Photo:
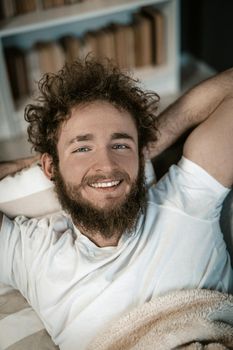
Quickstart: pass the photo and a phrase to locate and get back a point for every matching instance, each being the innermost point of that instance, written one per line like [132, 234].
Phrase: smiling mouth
[106, 184]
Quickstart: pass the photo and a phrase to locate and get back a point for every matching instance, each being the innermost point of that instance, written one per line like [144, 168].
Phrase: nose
[104, 160]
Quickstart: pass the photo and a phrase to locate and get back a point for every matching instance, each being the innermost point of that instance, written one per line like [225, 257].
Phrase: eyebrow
[84, 137]
[121, 135]
[90, 137]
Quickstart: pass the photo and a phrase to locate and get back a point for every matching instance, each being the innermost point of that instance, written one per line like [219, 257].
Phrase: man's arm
[208, 108]
[12, 167]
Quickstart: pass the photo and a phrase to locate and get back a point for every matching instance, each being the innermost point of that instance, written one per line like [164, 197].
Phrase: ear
[47, 165]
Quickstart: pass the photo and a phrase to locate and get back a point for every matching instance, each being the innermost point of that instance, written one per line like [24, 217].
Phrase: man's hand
[11, 167]
[208, 109]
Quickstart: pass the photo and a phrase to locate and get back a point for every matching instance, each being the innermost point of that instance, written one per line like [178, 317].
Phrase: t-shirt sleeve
[189, 188]
[23, 243]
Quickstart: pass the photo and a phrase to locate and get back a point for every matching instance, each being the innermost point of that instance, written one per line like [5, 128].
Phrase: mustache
[115, 175]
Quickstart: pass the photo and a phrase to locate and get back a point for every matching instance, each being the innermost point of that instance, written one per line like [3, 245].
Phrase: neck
[99, 239]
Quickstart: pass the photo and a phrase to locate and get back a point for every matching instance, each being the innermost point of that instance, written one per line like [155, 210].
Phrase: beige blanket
[194, 319]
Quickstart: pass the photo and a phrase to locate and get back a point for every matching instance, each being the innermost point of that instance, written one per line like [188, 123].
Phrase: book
[158, 33]
[90, 45]
[105, 43]
[70, 2]
[143, 40]
[25, 6]
[124, 45]
[72, 47]
[129, 46]
[47, 4]
[51, 56]
[7, 9]
[17, 72]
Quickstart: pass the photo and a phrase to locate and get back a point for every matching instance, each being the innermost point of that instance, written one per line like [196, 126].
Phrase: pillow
[20, 327]
[28, 193]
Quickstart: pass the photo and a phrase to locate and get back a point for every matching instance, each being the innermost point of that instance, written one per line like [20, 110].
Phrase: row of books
[12, 8]
[139, 44]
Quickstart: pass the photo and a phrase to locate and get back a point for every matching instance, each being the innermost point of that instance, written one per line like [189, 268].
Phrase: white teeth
[105, 184]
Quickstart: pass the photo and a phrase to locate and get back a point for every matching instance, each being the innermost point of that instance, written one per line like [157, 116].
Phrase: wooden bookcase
[51, 24]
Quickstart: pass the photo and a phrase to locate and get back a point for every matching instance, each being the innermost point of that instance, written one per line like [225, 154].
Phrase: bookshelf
[51, 24]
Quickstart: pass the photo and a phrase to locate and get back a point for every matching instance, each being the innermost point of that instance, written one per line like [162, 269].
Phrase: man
[119, 245]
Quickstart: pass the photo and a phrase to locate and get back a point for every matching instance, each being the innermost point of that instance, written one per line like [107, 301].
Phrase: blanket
[188, 319]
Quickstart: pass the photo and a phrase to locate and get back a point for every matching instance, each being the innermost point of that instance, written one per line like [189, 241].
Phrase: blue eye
[81, 150]
[120, 146]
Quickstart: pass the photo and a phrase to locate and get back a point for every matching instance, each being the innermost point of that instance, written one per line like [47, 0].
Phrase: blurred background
[170, 45]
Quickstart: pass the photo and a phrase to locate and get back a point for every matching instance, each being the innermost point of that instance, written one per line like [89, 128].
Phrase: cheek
[134, 166]
[131, 166]
[72, 171]
[132, 163]
[128, 163]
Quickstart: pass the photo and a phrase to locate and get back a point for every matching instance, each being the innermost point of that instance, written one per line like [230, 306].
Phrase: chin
[106, 205]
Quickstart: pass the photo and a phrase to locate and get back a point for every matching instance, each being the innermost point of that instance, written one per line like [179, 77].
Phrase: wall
[207, 31]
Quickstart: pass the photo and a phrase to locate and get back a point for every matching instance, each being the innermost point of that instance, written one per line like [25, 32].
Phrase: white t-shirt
[77, 288]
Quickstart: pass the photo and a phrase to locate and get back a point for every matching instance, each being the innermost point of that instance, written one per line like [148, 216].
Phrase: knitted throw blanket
[188, 319]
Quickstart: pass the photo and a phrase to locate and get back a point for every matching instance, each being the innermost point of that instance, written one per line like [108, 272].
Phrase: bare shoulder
[210, 144]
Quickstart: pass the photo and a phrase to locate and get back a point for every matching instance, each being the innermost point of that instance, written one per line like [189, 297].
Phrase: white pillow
[28, 193]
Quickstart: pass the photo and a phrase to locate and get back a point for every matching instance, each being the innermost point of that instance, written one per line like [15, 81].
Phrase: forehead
[98, 117]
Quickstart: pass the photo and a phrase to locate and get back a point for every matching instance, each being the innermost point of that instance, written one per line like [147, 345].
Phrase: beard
[108, 222]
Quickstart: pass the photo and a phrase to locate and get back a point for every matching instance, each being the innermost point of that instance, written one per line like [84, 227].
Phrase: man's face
[98, 152]
[100, 177]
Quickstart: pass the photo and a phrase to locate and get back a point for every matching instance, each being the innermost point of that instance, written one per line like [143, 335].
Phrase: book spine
[139, 44]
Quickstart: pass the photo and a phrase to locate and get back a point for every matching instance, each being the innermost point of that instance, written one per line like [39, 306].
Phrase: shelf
[43, 19]
[51, 24]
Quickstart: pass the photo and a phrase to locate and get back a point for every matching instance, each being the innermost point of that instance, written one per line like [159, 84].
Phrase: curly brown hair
[82, 82]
